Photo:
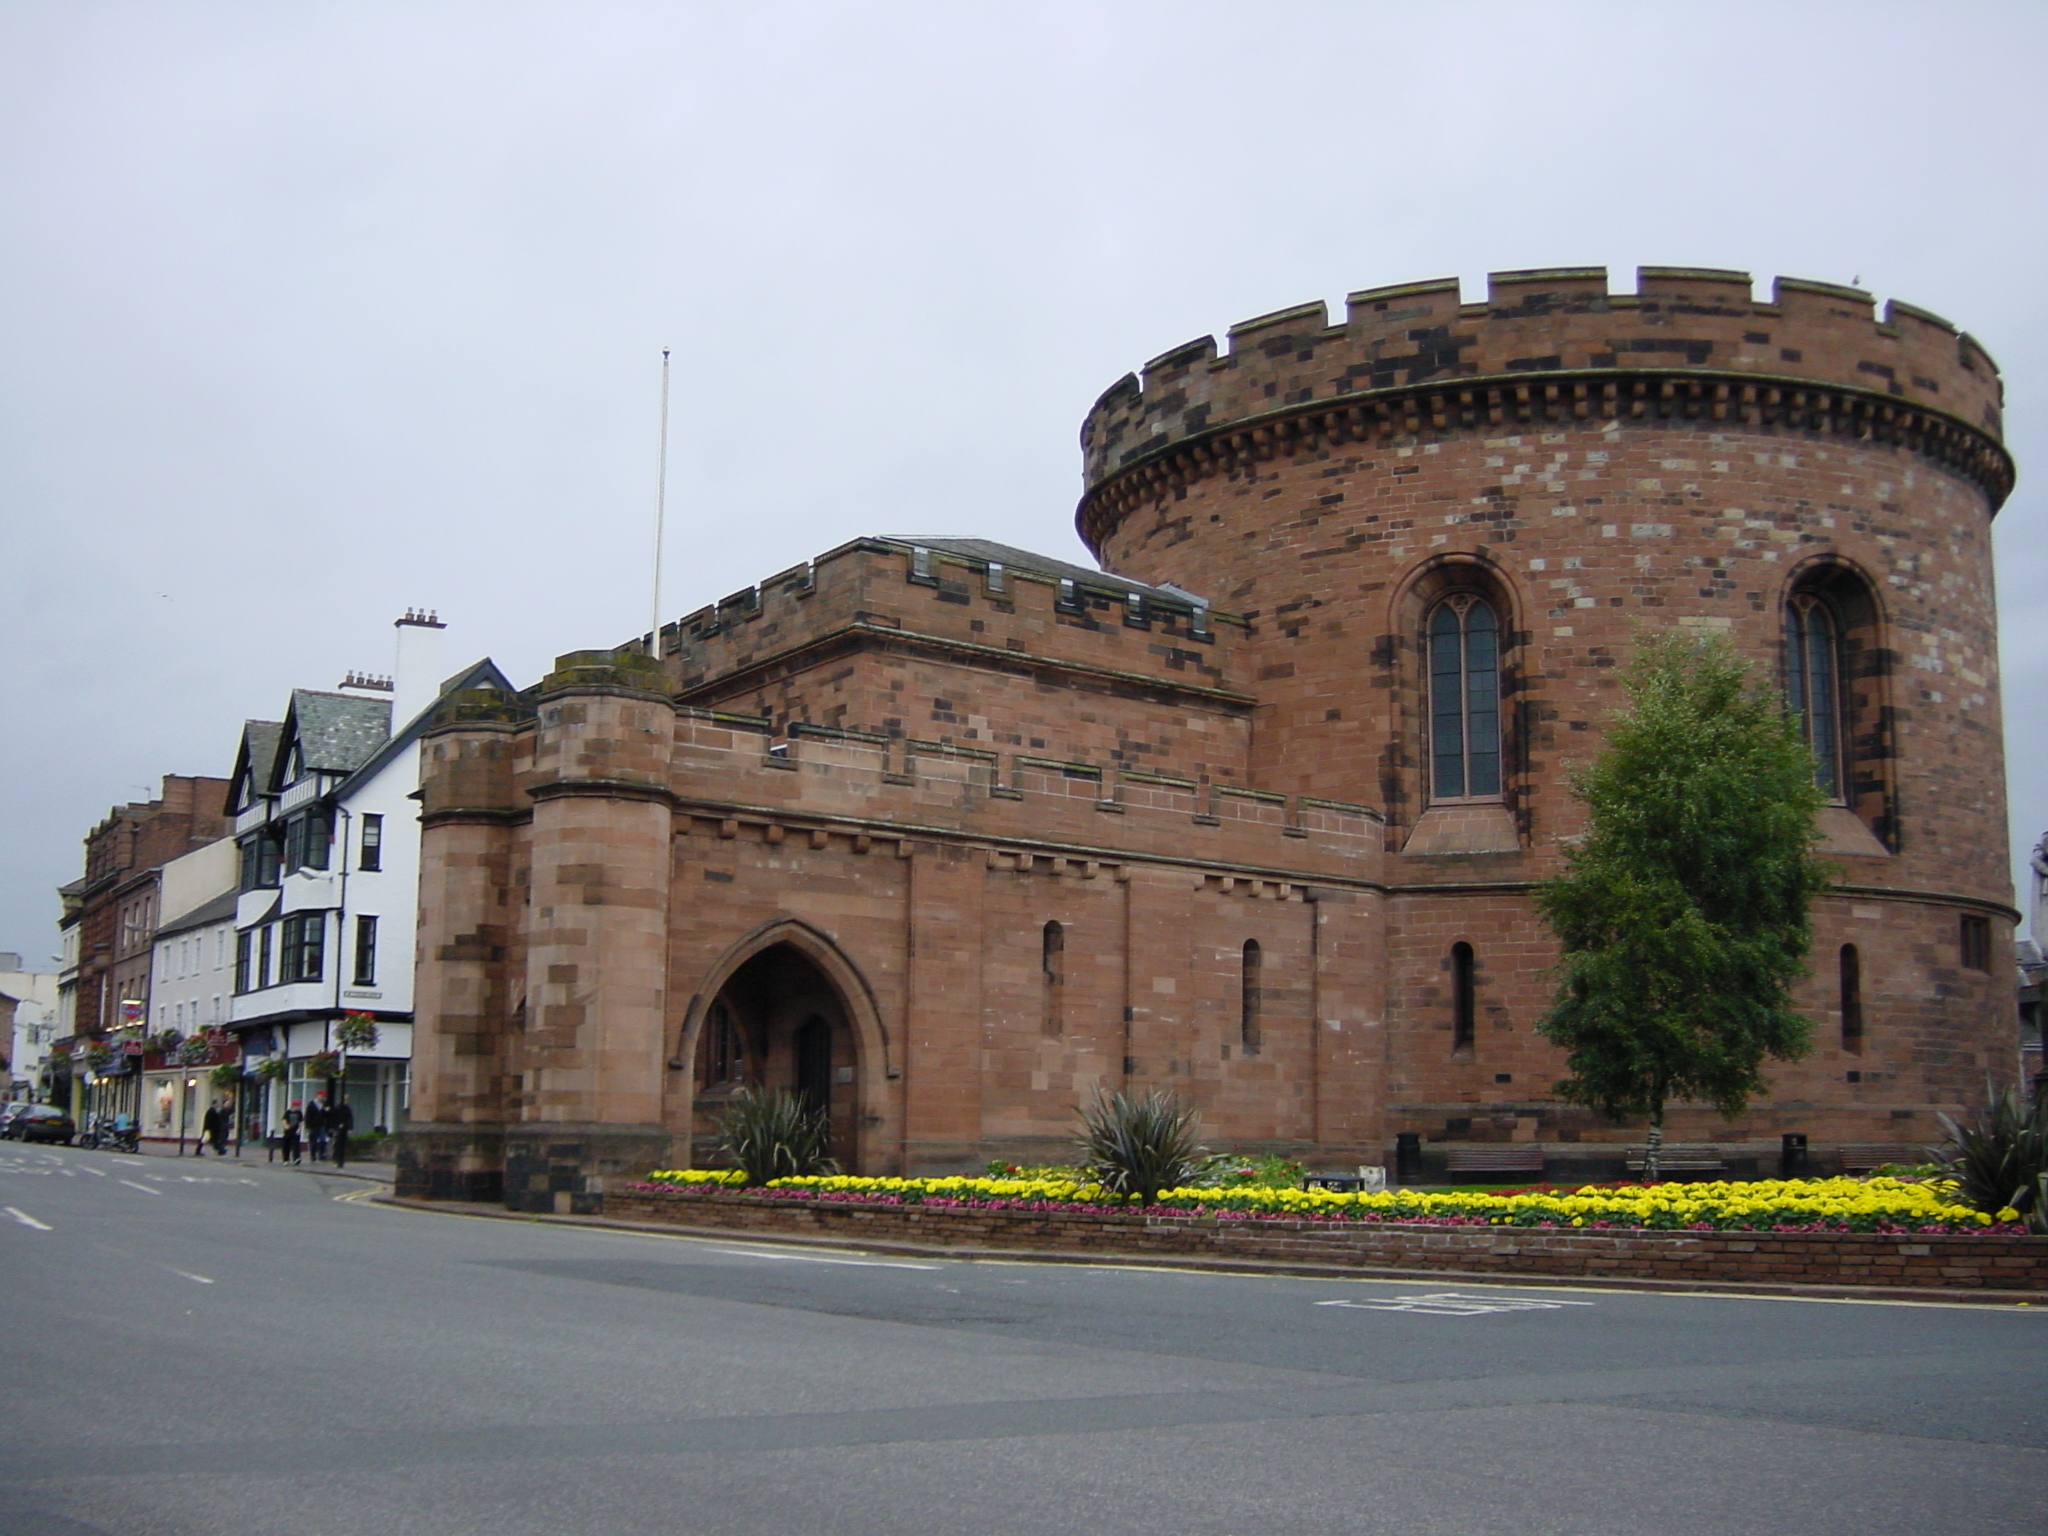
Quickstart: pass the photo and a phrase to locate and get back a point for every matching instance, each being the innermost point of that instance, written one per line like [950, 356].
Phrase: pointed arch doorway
[779, 1021]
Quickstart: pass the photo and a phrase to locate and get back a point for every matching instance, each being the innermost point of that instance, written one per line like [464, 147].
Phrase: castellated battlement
[1541, 332]
[962, 592]
[732, 775]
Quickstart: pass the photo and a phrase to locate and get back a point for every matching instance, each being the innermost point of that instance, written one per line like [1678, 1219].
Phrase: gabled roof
[334, 732]
[254, 760]
[220, 909]
[1011, 558]
[478, 674]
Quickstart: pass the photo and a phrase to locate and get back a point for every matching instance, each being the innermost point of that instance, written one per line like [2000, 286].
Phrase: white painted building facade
[28, 1023]
[327, 850]
[191, 983]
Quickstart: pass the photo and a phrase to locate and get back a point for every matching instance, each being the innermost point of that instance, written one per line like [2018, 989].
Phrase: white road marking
[128, 1163]
[98, 1173]
[29, 1221]
[818, 1258]
[182, 1275]
[1452, 1304]
[143, 1187]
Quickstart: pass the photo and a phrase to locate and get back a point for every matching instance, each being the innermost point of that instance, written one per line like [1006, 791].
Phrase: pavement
[379, 1172]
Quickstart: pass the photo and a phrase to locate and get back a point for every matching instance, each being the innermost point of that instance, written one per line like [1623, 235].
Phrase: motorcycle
[116, 1132]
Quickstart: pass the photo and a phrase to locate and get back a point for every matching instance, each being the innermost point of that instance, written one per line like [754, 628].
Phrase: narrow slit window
[1463, 1001]
[1464, 700]
[1852, 998]
[1976, 943]
[1251, 1001]
[1052, 964]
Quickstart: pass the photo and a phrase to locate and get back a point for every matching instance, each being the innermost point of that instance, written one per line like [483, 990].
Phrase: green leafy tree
[1683, 911]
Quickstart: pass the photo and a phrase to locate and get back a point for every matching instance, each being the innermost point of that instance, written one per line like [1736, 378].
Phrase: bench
[1364, 1181]
[1864, 1156]
[1495, 1159]
[1679, 1157]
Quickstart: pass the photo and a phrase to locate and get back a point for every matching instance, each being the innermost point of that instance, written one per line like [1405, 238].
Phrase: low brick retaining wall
[1921, 1262]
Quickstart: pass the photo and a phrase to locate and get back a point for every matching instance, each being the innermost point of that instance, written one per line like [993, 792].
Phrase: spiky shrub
[1138, 1146]
[2000, 1158]
[772, 1133]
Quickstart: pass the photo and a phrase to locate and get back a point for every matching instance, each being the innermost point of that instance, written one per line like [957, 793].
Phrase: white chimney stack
[417, 676]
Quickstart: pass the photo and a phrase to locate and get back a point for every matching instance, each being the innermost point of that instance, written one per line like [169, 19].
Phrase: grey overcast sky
[313, 312]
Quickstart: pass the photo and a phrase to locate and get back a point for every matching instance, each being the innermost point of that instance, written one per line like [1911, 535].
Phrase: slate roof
[219, 910]
[255, 758]
[1011, 558]
[335, 732]
[478, 674]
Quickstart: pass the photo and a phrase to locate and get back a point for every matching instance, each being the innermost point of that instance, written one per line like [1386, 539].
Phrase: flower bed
[1888, 1206]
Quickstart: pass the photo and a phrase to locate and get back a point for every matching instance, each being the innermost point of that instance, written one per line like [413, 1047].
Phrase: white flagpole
[660, 510]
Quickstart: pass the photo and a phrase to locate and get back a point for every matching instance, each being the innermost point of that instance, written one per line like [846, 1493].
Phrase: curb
[1763, 1290]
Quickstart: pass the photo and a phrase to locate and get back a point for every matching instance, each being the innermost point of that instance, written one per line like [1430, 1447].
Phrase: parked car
[8, 1111]
[38, 1122]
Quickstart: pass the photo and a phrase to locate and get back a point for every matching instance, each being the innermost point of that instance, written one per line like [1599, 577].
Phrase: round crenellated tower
[1448, 524]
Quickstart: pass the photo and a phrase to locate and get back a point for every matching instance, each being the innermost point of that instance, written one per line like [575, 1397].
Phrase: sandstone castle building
[945, 834]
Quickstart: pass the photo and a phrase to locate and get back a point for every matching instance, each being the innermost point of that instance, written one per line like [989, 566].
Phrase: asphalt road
[208, 1349]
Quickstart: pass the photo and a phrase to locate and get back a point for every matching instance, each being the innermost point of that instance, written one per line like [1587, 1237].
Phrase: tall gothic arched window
[1813, 685]
[1464, 699]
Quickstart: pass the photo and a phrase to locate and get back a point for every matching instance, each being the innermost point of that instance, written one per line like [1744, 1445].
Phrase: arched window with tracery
[1813, 685]
[1464, 699]
[1251, 1000]
[1052, 964]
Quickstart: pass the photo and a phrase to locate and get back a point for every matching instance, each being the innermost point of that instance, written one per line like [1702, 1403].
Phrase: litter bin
[1792, 1156]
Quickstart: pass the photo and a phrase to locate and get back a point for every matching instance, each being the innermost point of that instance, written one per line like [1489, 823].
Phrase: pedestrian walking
[288, 1144]
[340, 1121]
[214, 1128]
[316, 1126]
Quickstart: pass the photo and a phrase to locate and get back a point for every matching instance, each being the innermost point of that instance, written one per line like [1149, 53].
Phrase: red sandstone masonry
[1930, 1261]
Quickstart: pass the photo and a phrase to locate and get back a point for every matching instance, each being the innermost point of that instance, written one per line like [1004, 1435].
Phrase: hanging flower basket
[195, 1052]
[99, 1056]
[272, 1069]
[356, 1032]
[164, 1042]
[323, 1064]
[226, 1075]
